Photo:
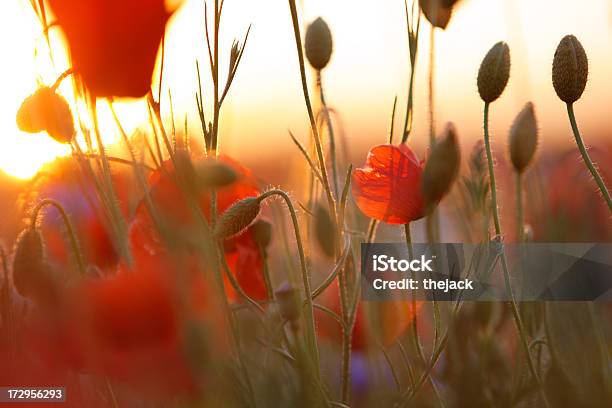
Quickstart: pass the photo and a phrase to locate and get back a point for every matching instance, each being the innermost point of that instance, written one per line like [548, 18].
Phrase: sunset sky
[368, 68]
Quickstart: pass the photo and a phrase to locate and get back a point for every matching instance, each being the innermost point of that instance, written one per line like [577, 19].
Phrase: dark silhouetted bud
[238, 217]
[570, 69]
[262, 233]
[442, 167]
[438, 12]
[214, 174]
[31, 273]
[523, 138]
[325, 231]
[319, 44]
[494, 72]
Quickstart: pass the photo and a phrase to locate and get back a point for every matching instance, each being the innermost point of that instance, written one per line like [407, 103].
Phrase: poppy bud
[31, 275]
[318, 44]
[442, 167]
[494, 72]
[238, 217]
[523, 138]
[438, 12]
[570, 69]
[288, 298]
[262, 233]
[325, 231]
[213, 174]
[185, 169]
[45, 110]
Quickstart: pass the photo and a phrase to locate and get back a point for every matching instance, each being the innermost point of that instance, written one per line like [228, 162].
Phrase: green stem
[312, 341]
[330, 131]
[498, 232]
[313, 123]
[520, 223]
[587, 158]
[74, 243]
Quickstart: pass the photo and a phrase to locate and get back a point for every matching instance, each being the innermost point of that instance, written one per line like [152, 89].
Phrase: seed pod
[214, 174]
[494, 72]
[45, 110]
[570, 69]
[238, 217]
[31, 274]
[325, 231]
[318, 44]
[523, 138]
[438, 12]
[288, 298]
[442, 167]
[262, 233]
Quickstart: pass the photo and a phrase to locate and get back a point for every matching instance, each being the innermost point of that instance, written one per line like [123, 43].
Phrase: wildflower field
[178, 266]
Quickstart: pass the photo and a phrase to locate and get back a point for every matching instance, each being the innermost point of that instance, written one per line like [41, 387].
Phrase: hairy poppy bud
[45, 110]
[523, 138]
[262, 233]
[238, 217]
[213, 174]
[442, 167]
[31, 275]
[438, 12]
[288, 298]
[494, 72]
[185, 169]
[325, 231]
[318, 44]
[570, 69]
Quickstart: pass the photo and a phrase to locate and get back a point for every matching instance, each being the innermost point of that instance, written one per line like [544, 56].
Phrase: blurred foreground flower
[242, 252]
[388, 187]
[379, 323]
[113, 43]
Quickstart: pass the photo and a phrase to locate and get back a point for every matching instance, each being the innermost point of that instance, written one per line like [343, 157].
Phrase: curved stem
[305, 275]
[74, 243]
[587, 158]
[498, 232]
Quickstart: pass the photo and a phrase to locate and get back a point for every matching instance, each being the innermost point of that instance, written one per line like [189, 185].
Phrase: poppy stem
[498, 232]
[519, 208]
[587, 159]
[330, 132]
[313, 123]
[74, 242]
[311, 332]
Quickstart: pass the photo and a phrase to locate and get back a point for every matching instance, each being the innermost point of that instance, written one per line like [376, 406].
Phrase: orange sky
[368, 69]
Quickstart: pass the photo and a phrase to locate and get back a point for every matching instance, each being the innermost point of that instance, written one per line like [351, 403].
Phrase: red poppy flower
[113, 43]
[388, 187]
[382, 322]
[241, 252]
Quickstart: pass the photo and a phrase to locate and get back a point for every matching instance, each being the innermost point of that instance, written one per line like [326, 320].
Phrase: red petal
[113, 43]
[388, 187]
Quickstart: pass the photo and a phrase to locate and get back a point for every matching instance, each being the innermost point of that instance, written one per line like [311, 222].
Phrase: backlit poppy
[241, 252]
[113, 43]
[388, 187]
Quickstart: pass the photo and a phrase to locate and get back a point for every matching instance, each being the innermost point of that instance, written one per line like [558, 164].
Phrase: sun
[29, 63]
